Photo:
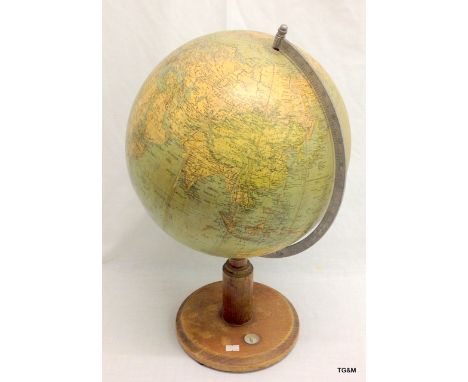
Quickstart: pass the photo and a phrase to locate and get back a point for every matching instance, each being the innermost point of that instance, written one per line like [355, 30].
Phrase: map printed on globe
[228, 146]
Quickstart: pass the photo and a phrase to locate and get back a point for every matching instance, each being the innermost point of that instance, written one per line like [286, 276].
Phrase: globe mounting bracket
[294, 55]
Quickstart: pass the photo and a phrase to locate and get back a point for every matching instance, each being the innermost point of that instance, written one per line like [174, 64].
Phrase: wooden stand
[237, 325]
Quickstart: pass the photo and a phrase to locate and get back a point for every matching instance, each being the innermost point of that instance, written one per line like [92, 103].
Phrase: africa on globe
[229, 147]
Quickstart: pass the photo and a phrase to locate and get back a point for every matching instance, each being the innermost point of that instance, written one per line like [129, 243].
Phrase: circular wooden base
[211, 341]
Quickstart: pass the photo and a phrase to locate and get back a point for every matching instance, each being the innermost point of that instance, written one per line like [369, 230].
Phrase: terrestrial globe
[237, 145]
[230, 147]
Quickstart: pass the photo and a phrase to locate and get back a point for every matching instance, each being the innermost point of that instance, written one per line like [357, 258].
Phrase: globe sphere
[228, 146]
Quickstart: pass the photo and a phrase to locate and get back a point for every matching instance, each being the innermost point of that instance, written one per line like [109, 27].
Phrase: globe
[229, 148]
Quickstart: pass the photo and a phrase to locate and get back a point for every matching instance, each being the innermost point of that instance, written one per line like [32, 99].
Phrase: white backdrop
[146, 274]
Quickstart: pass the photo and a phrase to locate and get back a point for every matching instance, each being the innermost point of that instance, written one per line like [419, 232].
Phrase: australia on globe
[229, 148]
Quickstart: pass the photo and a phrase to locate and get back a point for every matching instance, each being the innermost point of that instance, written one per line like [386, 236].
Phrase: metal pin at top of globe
[282, 30]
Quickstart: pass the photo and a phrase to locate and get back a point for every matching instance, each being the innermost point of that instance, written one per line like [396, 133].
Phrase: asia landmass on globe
[229, 147]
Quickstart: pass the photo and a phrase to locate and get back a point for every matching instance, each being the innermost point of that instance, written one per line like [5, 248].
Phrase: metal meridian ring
[285, 47]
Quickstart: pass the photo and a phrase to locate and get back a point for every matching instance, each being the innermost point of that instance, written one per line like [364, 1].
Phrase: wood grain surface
[207, 337]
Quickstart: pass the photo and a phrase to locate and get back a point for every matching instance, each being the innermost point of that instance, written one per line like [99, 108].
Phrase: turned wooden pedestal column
[237, 325]
[237, 291]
